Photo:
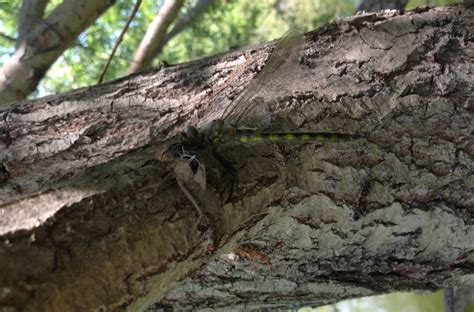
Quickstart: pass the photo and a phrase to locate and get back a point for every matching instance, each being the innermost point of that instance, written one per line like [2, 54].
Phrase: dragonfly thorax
[217, 132]
[214, 132]
[192, 136]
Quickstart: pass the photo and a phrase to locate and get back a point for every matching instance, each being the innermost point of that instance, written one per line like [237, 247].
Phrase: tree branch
[154, 35]
[9, 38]
[308, 224]
[22, 72]
[31, 14]
[200, 7]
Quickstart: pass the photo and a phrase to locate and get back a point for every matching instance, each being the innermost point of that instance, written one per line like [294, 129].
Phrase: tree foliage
[227, 24]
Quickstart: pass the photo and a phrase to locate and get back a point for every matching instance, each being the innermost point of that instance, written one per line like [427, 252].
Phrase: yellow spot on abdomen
[305, 137]
[256, 137]
[319, 137]
[289, 137]
[274, 137]
[243, 139]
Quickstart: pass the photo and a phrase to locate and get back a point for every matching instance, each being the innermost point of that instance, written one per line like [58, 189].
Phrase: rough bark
[91, 219]
[45, 41]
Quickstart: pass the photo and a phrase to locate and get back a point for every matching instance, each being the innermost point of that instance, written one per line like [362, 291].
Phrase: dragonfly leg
[191, 159]
[229, 169]
[193, 201]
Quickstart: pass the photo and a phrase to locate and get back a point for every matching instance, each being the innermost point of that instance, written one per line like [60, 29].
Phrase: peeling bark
[91, 219]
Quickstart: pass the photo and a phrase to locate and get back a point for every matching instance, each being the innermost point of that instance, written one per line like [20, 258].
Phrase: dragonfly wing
[285, 55]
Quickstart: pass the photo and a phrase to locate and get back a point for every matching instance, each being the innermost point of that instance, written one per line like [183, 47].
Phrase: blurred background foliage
[225, 25]
[396, 302]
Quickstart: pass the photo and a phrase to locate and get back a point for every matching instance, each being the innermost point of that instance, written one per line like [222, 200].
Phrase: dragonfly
[226, 129]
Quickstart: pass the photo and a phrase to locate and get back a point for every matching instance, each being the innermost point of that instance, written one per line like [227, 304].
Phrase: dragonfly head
[192, 136]
[213, 131]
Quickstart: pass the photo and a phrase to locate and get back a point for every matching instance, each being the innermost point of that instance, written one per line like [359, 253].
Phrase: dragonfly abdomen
[249, 136]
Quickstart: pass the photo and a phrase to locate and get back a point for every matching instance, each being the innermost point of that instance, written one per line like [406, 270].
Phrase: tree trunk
[91, 219]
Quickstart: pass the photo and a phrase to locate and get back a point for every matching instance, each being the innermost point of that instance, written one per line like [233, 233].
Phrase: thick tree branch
[31, 14]
[87, 208]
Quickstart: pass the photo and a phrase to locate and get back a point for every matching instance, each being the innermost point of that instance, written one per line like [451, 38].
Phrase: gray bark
[90, 217]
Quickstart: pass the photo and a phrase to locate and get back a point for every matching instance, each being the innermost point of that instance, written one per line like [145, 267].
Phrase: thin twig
[7, 37]
[119, 40]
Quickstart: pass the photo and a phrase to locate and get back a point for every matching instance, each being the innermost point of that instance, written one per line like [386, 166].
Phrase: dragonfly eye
[191, 135]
